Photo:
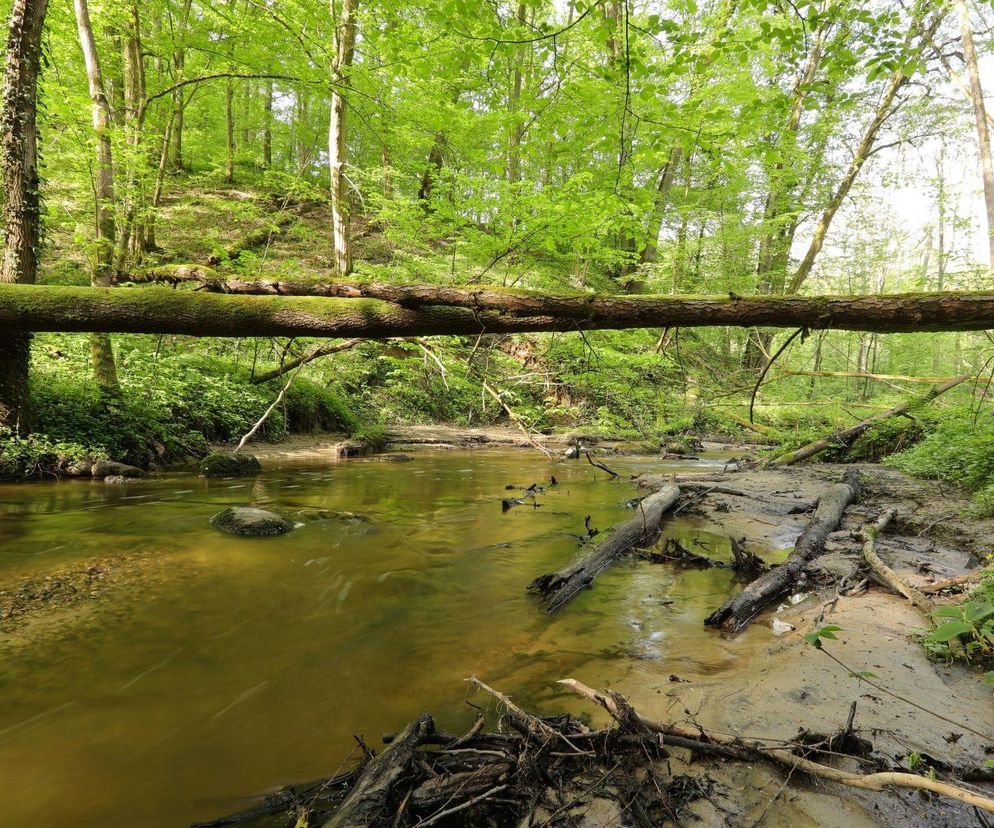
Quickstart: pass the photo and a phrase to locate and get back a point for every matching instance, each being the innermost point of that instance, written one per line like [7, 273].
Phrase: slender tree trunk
[22, 203]
[179, 103]
[345, 49]
[130, 241]
[513, 105]
[267, 127]
[884, 109]
[666, 176]
[229, 113]
[104, 370]
[980, 116]
[160, 180]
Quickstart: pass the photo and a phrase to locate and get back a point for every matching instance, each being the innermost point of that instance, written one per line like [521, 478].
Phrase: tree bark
[736, 613]
[560, 587]
[104, 370]
[980, 116]
[345, 34]
[848, 435]
[22, 203]
[159, 310]
[366, 804]
[130, 239]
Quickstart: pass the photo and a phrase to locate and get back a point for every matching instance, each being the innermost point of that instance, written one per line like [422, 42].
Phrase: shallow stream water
[232, 666]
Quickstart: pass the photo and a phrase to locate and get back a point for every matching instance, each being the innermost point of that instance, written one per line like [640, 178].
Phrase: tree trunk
[229, 115]
[980, 116]
[666, 176]
[736, 613]
[345, 50]
[513, 105]
[26, 308]
[179, 104]
[267, 127]
[104, 370]
[22, 203]
[130, 240]
[883, 111]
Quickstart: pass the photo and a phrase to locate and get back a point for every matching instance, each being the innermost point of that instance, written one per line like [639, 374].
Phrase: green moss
[219, 464]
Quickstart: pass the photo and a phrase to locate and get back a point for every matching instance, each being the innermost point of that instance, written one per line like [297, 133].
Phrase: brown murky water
[233, 666]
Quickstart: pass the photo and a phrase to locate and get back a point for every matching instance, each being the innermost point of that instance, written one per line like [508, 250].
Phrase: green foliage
[828, 632]
[965, 630]
[890, 436]
[959, 451]
[311, 407]
[38, 455]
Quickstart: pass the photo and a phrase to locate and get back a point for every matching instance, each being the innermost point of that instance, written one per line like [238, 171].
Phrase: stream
[231, 666]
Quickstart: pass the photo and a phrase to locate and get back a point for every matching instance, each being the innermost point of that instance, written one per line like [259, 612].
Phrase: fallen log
[367, 801]
[737, 612]
[25, 308]
[898, 584]
[696, 739]
[559, 588]
[255, 238]
[847, 435]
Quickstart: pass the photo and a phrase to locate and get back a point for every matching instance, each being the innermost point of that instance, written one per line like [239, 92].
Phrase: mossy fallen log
[26, 308]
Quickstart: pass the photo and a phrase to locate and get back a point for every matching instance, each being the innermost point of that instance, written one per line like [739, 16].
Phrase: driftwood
[736, 613]
[885, 573]
[367, 801]
[560, 587]
[734, 747]
[955, 584]
[846, 436]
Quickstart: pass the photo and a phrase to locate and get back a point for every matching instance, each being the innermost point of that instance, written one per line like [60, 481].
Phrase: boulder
[80, 468]
[121, 480]
[252, 522]
[221, 464]
[108, 468]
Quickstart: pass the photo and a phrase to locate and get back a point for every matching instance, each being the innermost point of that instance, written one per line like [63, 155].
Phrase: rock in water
[246, 520]
[121, 480]
[108, 468]
[220, 464]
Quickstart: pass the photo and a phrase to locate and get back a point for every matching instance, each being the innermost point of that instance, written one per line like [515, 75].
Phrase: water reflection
[235, 664]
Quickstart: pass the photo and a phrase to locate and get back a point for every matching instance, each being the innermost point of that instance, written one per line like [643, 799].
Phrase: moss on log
[158, 310]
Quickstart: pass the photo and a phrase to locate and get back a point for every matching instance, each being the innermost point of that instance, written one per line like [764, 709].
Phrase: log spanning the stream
[642, 529]
[446, 311]
[736, 613]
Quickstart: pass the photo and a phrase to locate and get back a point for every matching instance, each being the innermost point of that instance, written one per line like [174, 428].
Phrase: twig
[888, 575]
[460, 807]
[264, 417]
[788, 759]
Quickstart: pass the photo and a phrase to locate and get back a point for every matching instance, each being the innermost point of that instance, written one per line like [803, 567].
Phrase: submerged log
[848, 435]
[367, 802]
[736, 613]
[25, 308]
[560, 587]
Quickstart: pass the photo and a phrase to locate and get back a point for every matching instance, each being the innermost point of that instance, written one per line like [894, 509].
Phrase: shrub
[38, 455]
[309, 407]
[957, 451]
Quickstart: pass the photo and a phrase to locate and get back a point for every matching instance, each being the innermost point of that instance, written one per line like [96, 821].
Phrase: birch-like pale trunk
[980, 116]
[345, 34]
[104, 369]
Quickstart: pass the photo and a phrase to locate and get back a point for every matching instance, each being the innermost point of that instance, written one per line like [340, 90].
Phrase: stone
[121, 480]
[221, 464]
[108, 468]
[251, 522]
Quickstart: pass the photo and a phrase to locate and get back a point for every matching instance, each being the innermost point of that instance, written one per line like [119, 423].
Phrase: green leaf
[951, 629]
